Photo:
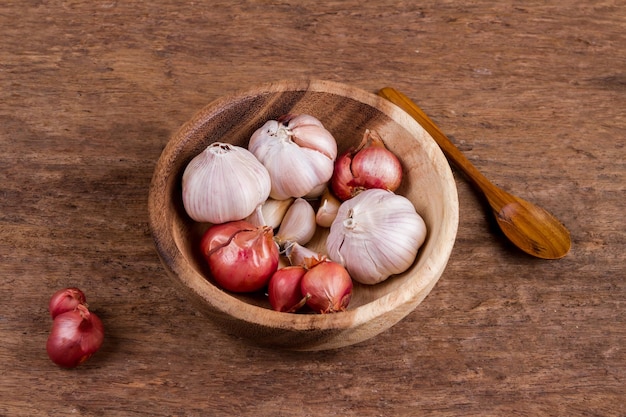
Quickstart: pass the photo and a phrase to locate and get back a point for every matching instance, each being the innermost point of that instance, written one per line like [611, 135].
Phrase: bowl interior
[346, 112]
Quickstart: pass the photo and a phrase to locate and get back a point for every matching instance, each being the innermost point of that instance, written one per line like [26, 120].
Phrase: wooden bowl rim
[222, 302]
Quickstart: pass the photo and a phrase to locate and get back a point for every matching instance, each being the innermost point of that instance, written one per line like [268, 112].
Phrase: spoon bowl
[529, 227]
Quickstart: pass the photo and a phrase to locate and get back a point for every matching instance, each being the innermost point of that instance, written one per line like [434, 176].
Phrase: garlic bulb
[298, 225]
[299, 154]
[224, 183]
[376, 234]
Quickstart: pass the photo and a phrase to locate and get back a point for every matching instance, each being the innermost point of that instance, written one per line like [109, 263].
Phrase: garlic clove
[224, 183]
[270, 213]
[256, 217]
[309, 132]
[298, 225]
[327, 211]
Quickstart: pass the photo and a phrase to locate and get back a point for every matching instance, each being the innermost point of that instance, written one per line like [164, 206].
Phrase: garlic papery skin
[270, 213]
[376, 234]
[327, 210]
[301, 255]
[224, 183]
[299, 154]
[298, 225]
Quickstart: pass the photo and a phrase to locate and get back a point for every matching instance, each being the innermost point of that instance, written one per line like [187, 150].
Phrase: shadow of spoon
[529, 227]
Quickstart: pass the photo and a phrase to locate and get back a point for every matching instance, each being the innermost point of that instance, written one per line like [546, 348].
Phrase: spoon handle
[529, 227]
[448, 148]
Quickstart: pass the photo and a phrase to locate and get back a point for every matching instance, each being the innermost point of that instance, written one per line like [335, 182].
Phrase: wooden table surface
[533, 92]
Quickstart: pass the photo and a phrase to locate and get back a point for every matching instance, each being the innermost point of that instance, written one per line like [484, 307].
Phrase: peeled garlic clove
[327, 211]
[299, 154]
[298, 225]
[270, 213]
[376, 234]
[224, 183]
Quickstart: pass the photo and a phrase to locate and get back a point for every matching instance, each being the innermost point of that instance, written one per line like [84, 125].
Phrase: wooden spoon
[529, 227]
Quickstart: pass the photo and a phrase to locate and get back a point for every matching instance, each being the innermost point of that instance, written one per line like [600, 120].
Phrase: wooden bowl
[346, 112]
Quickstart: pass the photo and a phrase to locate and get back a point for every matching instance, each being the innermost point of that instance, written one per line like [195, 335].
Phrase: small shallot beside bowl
[346, 112]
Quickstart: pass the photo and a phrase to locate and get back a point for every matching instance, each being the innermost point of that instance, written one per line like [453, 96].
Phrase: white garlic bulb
[298, 225]
[376, 234]
[224, 183]
[299, 154]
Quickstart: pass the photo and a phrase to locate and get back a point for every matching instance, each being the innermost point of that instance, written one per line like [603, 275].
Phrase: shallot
[75, 336]
[242, 257]
[64, 300]
[370, 165]
[284, 289]
[327, 286]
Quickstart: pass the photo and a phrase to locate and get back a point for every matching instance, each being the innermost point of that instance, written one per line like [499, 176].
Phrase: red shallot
[327, 286]
[75, 336]
[242, 257]
[284, 289]
[66, 299]
[370, 165]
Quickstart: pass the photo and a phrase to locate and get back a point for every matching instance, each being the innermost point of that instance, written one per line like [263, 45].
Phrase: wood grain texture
[534, 93]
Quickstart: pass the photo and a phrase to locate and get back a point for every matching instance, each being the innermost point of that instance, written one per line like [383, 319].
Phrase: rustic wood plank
[534, 93]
